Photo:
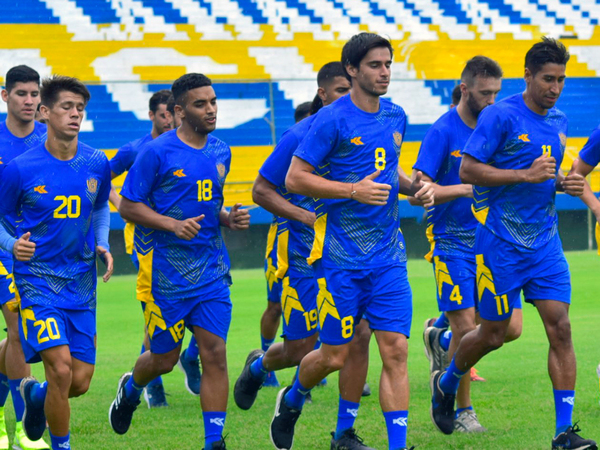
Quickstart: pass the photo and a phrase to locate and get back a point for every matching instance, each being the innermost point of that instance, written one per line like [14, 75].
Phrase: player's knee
[60, 374]
[295, 352]
[79, 387]
[495, 340]
[214, 357]
[362, 337]
[513, 333]
[560, 332]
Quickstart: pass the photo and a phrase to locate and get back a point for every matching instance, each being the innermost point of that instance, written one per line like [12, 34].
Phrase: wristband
[353, 192]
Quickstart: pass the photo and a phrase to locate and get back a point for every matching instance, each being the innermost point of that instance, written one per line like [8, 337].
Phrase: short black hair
[302, 110]
[54, 85]
[186, 83]
[548, 51]
[456, 94]
[358, 46]
[316, 105]
[21, 74]
[480, 66]
[159, 98]
[329, 72]
[171, 105]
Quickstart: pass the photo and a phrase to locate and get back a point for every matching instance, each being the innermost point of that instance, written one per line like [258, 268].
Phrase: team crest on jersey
[92, 185]
[221, 170]
[397, 138]
[563, 139]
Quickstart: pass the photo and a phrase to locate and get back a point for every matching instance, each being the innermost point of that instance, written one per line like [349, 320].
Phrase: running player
[358, 244]
[183, 279]
[162, 121]
[451, 224]
[589, 157]
[60, 189]
[18, 133]
[512, 159]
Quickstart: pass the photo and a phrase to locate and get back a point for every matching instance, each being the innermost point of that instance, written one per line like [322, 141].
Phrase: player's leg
[269, 322]
[352, 380]
[4, 391]
[299, 304]
[189, 363]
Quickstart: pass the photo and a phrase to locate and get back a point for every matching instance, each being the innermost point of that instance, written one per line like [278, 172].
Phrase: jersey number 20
[69, 207]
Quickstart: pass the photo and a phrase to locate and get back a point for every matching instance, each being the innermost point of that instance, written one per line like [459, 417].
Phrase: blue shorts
[7, 282]
[299, 307]
[274, 285]
[503, 271]
[381, 295]
[42, 327]
[455, 283]
[166, 320]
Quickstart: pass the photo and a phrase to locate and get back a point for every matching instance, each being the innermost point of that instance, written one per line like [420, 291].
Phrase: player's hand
[309, 219]
[187, 229]
[423, 191]
[542, 169]
[108, 261]
[24, 248]
[573, 184]
[371, 193]
[239, 219]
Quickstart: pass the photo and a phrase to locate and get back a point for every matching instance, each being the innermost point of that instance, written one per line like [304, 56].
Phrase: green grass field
[515, 403]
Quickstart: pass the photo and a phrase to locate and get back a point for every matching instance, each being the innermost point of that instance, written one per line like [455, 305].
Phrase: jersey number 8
[380, 158]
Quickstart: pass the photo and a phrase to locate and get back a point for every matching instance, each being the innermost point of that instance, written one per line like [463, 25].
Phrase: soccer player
[302, 111]
[451, 224]
[589, 157]
[456, 94]
[358, 248]
[60, 189]
[182, 174]
[511, 159]
[162, 121]
[18, 133]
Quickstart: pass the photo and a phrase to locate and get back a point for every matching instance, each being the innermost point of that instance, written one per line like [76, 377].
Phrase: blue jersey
[12, 146]
[294, 238]
[125, 156]
[590, 153]
[511, 136]
[55, 200]
[452, 224]
[345, 143]
[181, 182]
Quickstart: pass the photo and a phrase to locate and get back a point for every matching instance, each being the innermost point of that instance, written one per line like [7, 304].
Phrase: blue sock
[265, 343]
[156, 382]
[191, 352]
[18, 402]
[459, 410]
[214, 422]
[563, 407]
[445, 338]
[60, 442]
[4, 389]
[442, 322]
[296, 395]
[133, 391]
[347, 412]
[396, 423]
[449, 382]
[38, 393]
[257, 369]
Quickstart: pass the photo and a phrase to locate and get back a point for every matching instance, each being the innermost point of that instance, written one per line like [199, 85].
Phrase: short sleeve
[142, 176]
[123, 160]
[433, 152]
[590, 153]
[105, 183]
[321, 138]
[275, 168]
[10, 186]
[488, 136]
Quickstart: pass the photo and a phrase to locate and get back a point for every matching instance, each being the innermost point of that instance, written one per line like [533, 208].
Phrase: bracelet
[353, 192]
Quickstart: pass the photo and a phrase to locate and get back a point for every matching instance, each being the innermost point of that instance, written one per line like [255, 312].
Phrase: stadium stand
[264, 55]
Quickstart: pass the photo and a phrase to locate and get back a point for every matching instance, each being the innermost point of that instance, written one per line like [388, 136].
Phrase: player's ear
[44, 111]
[5, 95]
[322, 94]
[150, 115]
[528, 75]
[180, 112]
[352, 71]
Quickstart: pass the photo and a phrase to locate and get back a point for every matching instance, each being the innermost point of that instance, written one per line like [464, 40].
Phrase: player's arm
[443, 194]
[588, 197]
[473, 171]
[101, 224]
[236, 218]
[301, 180]
[141, 214]
[264, 193]
[418, 188]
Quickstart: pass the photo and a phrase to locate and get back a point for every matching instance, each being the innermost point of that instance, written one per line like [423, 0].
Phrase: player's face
[333, 90]
[483, 93]
[22, 101]
[373, 74]
[200, 110]
[162, 120]
[66, 115]
[546, 86]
